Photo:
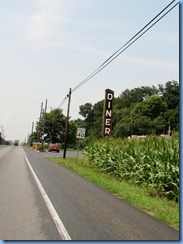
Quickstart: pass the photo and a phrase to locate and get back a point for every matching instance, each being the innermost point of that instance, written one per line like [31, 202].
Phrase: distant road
[86, 211]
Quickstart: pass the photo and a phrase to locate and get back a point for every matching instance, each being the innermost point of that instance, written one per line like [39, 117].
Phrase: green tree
[172, 118]
[149, 115]
[133, 96]
[143, 125]
[142, 110]
[170, 94]
[32, 138]
[122, 123]
[153, 106]
[86, 111]
[72, 142]
[54, 129]
[79, 123]
[96, 130]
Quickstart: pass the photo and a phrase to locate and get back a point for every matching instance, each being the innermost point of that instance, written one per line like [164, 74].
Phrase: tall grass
[152, 162]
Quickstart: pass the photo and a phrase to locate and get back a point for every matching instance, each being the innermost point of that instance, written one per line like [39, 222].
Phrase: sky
[49, 46]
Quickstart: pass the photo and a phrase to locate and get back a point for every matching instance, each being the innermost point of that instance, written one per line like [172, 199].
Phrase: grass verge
[166, 211]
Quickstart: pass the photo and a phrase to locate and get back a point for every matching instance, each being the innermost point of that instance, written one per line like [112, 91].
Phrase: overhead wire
[138, 33]
[63, 101]
[117, 53]
[123, 48]
[109, 61]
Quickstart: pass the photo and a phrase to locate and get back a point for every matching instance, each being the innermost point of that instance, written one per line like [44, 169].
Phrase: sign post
[80, 135]
[107, 112]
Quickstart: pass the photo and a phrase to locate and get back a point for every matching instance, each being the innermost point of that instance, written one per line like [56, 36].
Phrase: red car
[53, 147]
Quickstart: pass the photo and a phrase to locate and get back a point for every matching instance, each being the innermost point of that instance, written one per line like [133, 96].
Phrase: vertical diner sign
[107, 112]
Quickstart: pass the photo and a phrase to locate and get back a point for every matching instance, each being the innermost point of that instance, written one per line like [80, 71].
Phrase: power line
[116, 54]
[123, 48]
[63, 101]
[137, 33]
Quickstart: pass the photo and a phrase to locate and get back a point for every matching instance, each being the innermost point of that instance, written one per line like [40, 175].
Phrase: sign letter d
[109, 96]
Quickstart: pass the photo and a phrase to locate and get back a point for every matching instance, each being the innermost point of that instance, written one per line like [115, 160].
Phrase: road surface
[41, 200]
[69, 154]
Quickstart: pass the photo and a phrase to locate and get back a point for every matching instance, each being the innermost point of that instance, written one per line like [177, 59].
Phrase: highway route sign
[80, 133]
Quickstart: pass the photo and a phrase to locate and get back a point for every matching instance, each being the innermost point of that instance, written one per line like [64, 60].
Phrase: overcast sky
[49, 46]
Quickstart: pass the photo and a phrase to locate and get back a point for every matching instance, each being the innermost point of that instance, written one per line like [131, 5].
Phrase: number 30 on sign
[80, 133]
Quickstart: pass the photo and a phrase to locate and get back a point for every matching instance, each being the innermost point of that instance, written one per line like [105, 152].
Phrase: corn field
[152, 162]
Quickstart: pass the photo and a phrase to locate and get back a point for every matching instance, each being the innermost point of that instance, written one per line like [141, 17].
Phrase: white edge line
[60, 226]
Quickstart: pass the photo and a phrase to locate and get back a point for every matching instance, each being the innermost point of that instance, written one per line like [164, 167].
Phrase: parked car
[53, 147]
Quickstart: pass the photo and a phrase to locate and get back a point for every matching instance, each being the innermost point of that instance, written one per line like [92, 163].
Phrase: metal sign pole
[78, 150]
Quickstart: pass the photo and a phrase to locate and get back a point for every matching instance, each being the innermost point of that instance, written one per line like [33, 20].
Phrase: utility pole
[67, 124]
[31, 139]
[38, 130]
[1, 134]
[32, 127]
[44, 115]
[27, 138]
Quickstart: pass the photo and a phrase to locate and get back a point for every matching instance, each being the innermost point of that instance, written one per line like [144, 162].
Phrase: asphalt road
[23, 214]
[85, 211]
[69, 154]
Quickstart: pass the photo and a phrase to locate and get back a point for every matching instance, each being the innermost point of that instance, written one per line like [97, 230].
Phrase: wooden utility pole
[44, 116]
[32, 127]
[28, 138]
[38, 130]
[67, 124]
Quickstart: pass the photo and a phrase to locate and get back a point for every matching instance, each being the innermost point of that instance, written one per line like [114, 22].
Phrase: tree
[86, 111]
[122, 123]
[79, 123]
[170, 94]
[142, 110]
[143, 125]
[172, 118]
[96, 130]
[72, 134]
[54, 129]
[153, 106]
[32, 138]
[130, 97]
[148, 113]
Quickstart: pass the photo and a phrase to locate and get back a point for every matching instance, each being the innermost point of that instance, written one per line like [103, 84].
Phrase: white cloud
[44, 22]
